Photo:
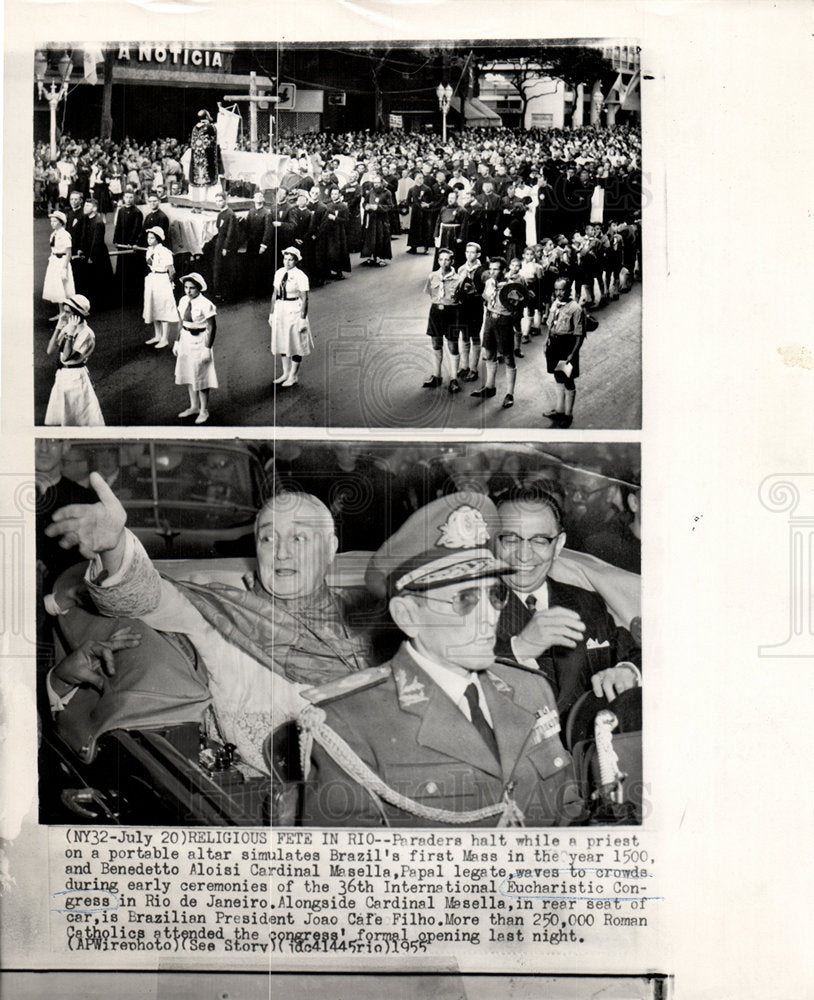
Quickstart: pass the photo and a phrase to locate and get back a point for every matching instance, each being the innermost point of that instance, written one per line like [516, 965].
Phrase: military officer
[443, 734]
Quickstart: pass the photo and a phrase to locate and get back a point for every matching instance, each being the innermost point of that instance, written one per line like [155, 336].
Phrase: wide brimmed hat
[445, 542]
[158, 232]
[196, 279]
[79, 303]
[294, 251]
[63, 218]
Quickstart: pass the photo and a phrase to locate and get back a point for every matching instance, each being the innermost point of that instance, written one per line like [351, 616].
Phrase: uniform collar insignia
[500, 684]
[410, 692]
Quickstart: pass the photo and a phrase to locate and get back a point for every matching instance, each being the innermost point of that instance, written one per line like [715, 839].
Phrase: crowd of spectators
[506, 189]
[565, 204]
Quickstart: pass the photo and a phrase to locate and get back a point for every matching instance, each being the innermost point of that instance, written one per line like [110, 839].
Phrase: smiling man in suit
[565, 631]
[443, 733]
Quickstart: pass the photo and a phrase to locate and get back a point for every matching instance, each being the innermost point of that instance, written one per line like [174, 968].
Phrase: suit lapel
[571, 666]
[515, 616]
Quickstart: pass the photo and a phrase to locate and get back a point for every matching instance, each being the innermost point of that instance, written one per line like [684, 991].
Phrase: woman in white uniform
[288, 318]
[159, 302]
[195, 367]
[73, 402]
[58, 285]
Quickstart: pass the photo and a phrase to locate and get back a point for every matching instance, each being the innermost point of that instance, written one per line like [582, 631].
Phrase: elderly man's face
[529, 540]
[453, 625]
[296, 545]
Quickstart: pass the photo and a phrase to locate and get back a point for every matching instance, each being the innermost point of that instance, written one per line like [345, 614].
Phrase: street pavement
[371, 356]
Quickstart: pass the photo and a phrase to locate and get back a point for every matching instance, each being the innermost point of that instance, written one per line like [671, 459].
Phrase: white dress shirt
[453, 681]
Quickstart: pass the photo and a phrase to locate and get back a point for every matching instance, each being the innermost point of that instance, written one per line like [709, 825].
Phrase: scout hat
[79, 303]
[293, 251]
[158, 232]
[59, 215]
[196, 279]
[443, 543]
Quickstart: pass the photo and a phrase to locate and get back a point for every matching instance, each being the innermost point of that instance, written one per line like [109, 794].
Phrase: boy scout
[443, 734]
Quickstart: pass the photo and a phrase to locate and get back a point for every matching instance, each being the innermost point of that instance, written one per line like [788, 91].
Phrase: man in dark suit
[54, 490]
[95, 277]
[259, 237]
[452, 734]
[157, 217]
[226, 245]
[130, 267]
[566, 631]
[75, 219]
[281, 234]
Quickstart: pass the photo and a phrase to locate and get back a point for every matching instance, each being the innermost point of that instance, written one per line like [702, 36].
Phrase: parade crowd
[528, 230]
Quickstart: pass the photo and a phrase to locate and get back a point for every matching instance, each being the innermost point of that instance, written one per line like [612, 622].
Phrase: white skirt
[286, 335]
[73, 402]
[159, 302]
[190, 367]
[57, 288]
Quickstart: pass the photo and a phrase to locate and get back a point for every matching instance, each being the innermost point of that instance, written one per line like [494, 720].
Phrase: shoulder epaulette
[506, 661]
[350, 684]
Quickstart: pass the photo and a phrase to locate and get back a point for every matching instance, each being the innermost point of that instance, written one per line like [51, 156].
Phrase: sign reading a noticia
[173, 54]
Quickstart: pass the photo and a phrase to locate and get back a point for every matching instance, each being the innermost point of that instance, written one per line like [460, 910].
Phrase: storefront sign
[174, 54]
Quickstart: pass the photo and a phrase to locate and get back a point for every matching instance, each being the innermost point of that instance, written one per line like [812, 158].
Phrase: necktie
[188, 312]
[479, 719]
[284, 286]
[545, 661]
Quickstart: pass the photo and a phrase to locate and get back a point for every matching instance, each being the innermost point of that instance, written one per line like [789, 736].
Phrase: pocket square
[595, 644]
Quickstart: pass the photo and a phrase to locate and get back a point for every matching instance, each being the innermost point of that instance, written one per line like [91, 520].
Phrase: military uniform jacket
[407, 730]
[569, 671]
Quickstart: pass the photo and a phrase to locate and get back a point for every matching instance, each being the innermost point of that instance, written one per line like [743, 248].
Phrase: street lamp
[444, 98]
[55, 93]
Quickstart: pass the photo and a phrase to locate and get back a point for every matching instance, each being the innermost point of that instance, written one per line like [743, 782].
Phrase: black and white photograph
[434, 235]
[360, 359]
[312, 633]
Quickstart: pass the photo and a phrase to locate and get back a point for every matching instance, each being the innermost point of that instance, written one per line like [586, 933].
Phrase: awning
[477, 114]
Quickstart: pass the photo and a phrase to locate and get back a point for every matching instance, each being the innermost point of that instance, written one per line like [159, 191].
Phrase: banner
[228, 124]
